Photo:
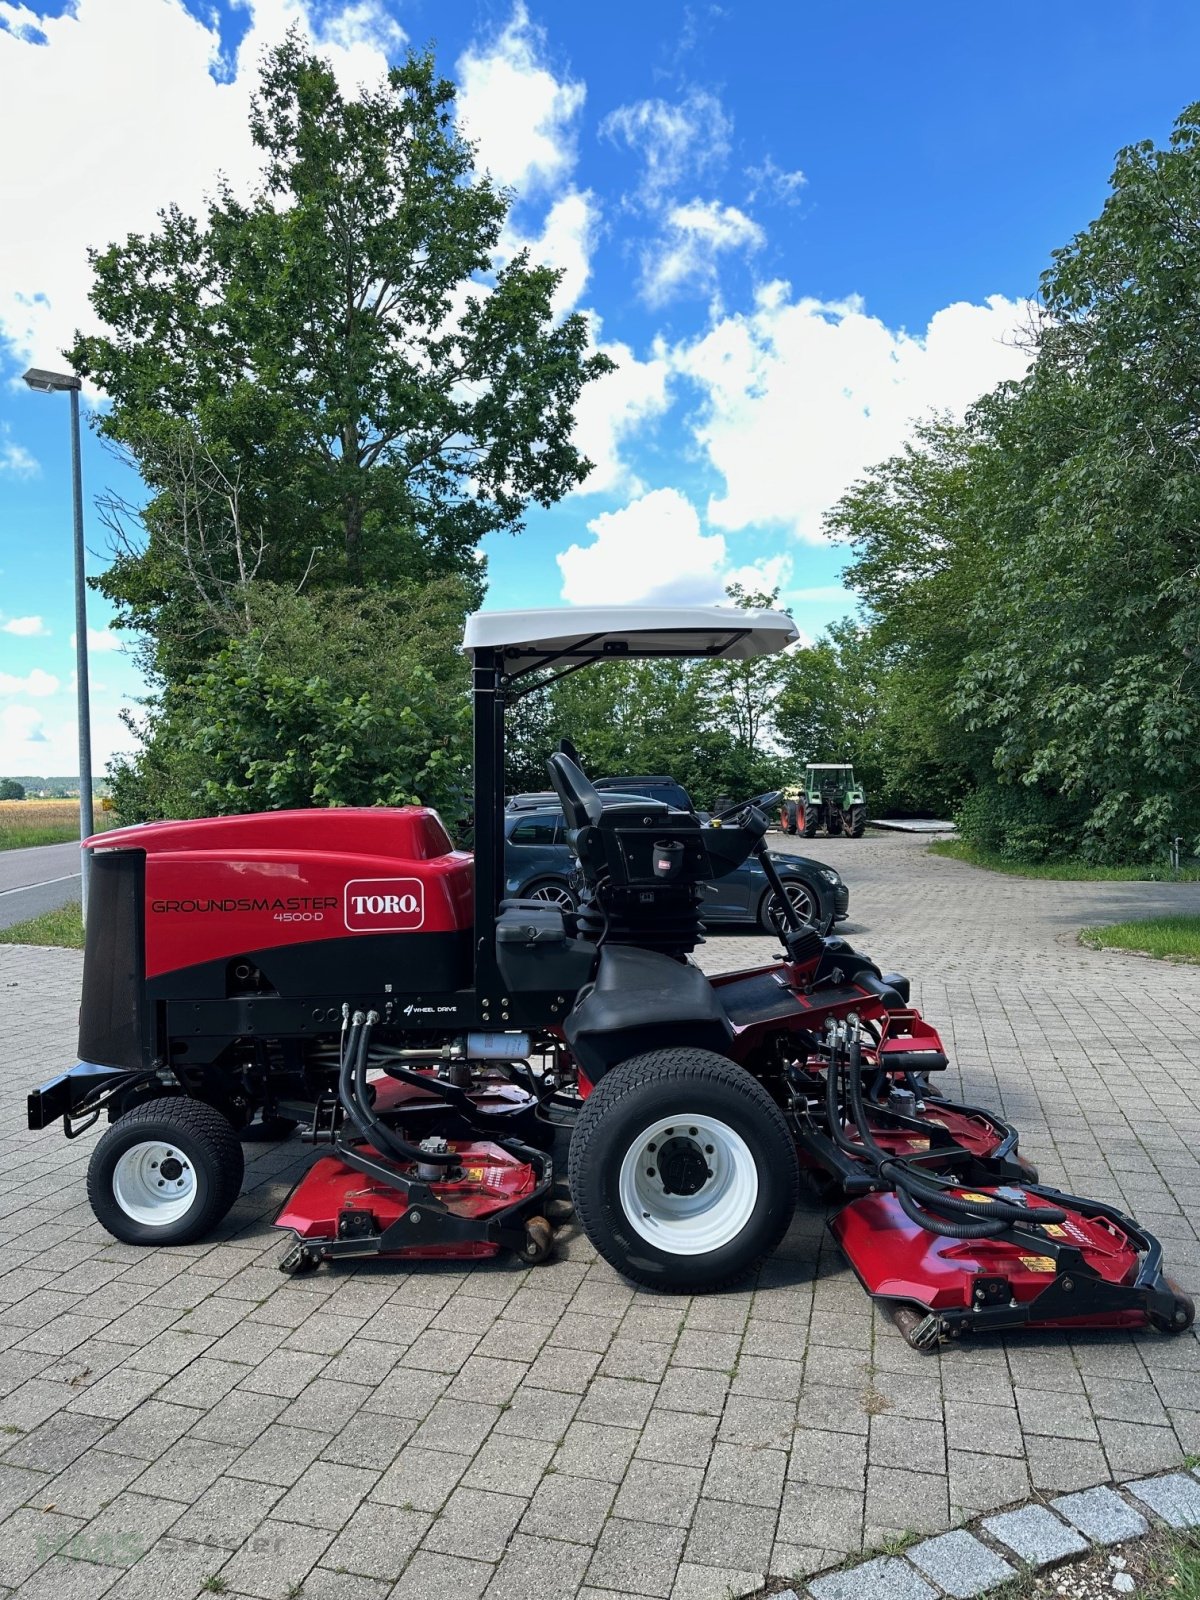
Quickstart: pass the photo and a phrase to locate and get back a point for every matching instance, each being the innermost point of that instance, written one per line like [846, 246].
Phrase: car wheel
[682, 1170]
[554, 892]
[806, 901]
[166, 1172]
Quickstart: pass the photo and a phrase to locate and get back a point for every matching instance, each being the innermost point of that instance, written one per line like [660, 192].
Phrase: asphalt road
[37, 880]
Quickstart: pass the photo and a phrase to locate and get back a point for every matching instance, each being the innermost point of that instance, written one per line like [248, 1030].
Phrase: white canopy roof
[562, 634]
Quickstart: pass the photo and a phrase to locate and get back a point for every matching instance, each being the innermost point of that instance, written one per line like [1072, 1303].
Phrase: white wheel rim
[154, 1183]
[688, 1224]
[554, 895]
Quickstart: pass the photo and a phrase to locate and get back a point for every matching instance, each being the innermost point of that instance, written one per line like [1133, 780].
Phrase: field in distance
[29, 822]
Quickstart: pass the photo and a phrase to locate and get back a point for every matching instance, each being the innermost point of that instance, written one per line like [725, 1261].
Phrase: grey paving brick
[885, 1578]
[959, 1563]
[590, 1450]
[695, 1582]
[275, 1559]
[326, 1495]
[1035, 1534]
[636, 1558]
[227, 1513]
[726, 1535]
[537, 1567]
[420, 1479]
[377, 1541]
[677, 1436]
[430, 1576]
[568, 1508]
[1175, 1498]
[509, 1464]
[476, 1523]
[1101, 1515]
[659, 1491]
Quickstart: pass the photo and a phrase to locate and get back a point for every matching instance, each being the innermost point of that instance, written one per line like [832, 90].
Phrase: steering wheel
[761, 802]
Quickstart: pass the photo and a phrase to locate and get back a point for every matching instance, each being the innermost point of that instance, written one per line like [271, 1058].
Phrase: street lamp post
[51, 383]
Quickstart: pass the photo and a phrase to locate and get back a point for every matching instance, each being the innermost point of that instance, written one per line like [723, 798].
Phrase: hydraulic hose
[377, 1132]
[925, 1190]
[948, 1229]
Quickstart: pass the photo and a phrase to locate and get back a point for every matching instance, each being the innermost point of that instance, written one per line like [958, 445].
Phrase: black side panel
[112, 1014]
[400, 963]
[643, 1000]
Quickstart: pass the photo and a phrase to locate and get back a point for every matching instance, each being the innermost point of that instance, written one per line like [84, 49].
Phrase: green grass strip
[63, 928]
[1060, 871]
[1168, 938]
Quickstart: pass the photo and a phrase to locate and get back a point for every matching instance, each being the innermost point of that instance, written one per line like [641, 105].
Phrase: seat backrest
[580, 801]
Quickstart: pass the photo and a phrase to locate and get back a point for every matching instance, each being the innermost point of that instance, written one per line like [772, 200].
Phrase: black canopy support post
[488, 691]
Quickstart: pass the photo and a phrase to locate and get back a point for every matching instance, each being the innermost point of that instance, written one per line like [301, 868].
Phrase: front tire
[682, 1170]
[834, 826]
[166, 1172]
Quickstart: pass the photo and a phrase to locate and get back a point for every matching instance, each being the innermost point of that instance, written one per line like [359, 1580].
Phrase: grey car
[538, 865]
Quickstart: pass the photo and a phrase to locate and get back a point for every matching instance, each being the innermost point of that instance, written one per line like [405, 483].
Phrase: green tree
[336, 371]
[331, 698]
[10, 789]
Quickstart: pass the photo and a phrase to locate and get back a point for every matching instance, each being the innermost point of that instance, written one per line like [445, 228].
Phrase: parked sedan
[538, 865]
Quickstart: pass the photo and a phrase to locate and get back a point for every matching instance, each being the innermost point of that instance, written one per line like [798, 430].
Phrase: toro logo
[384, 905]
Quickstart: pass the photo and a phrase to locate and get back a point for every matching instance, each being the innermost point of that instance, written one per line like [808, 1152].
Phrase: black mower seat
[643, 1000]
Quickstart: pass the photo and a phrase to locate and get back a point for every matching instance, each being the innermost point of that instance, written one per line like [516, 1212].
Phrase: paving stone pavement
[173, 1419]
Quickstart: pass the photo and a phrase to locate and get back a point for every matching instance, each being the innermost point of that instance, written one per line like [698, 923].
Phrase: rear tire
[726, 1198]
[808, 822]
[788, 817]
[859, 825]
[165, 1173]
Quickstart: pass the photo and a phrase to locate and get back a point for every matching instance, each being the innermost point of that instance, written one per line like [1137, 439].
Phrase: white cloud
[685, 257]
[20, 725]
[565, 242]
[676, 141]
[772, 182]
[26, 627]
[37, 684]
[14, 457]
[801, 396]
[101, 640]
[49, 745]
[87, 179]
[521, 116]
[654, 550]
[615, 408]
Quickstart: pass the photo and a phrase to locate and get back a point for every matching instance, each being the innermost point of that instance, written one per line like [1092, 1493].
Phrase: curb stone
[964, 1566]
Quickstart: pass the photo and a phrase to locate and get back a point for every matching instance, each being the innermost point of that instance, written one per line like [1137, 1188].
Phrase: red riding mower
[350, 970]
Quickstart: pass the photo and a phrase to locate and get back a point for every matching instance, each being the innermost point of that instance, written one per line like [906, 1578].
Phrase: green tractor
[829, 798]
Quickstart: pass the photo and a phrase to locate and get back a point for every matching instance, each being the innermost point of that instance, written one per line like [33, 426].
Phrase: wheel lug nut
[649, 1172]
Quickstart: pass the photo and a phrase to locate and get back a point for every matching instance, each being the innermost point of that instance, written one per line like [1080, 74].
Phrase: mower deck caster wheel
[299, 1261]
[921, 1329]
[539, 1239]
[1181, 1317]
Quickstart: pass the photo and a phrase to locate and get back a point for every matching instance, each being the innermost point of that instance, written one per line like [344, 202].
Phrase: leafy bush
[333, 699]
[1021, 824]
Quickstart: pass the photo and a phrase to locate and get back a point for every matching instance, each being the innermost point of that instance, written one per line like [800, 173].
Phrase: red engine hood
[412, 832]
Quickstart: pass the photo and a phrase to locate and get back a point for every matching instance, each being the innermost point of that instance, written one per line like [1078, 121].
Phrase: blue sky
[795, 228]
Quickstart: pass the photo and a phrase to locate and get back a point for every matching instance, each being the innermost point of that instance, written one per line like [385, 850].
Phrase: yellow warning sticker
[969, 1194]
[1053, 1230]
[917, 1144]
[1038, 1263]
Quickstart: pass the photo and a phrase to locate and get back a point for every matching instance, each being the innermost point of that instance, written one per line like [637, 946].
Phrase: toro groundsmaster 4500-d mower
[351, 971]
